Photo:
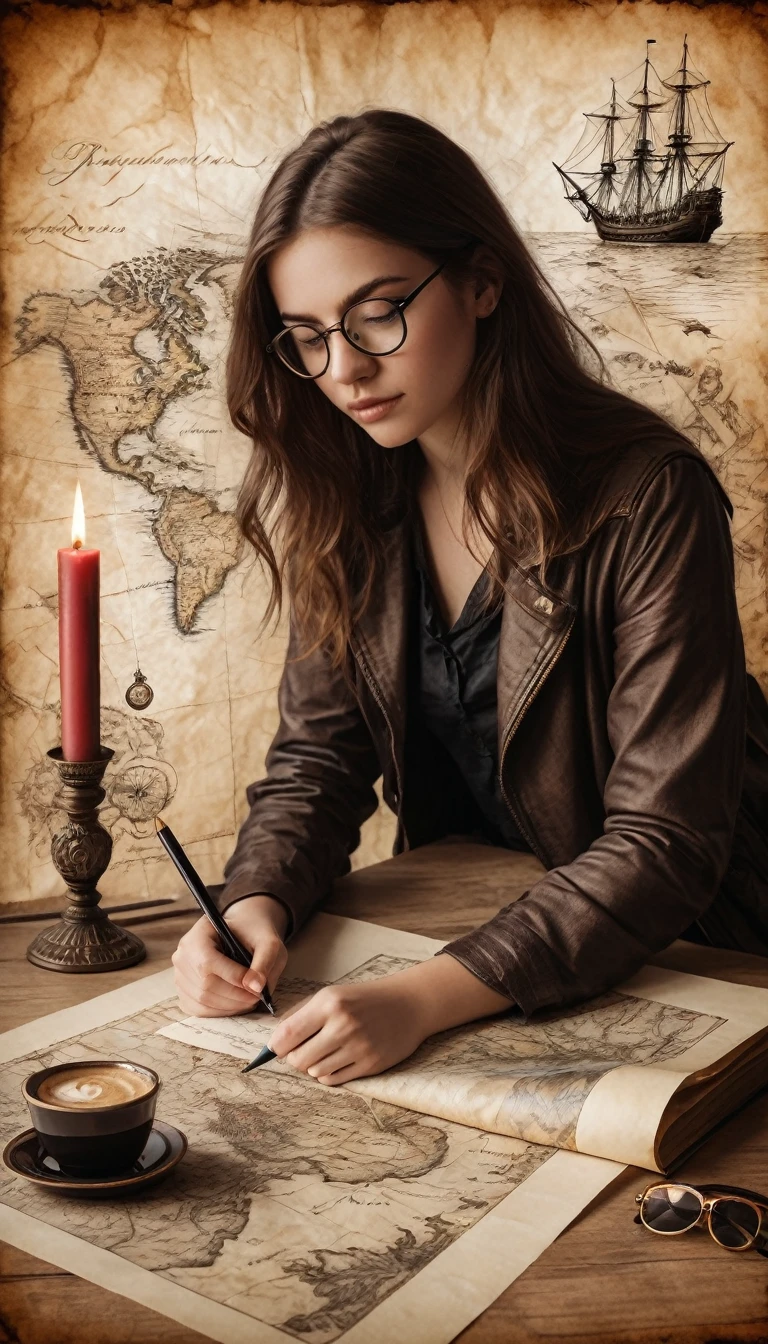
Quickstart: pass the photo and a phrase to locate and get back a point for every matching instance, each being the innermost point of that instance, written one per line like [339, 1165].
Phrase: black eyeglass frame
[399, 304]
[725, 1192]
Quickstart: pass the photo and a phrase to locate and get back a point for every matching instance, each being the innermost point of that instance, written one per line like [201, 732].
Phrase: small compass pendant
[139, 694]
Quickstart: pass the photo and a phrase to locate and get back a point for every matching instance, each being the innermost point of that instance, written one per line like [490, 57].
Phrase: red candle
[79, 650]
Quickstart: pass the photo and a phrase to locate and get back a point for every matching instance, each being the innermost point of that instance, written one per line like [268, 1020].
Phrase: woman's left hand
[350, 1031]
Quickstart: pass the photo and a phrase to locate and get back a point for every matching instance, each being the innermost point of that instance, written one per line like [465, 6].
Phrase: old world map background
[135, 147]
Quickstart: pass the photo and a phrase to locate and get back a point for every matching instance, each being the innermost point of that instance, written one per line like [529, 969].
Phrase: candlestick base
[85, 939]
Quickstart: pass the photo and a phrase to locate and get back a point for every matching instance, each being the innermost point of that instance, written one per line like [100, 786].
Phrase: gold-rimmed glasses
[737, 1219]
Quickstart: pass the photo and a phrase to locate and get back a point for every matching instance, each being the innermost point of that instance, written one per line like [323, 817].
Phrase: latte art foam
[80, 1093]
[78, 1089]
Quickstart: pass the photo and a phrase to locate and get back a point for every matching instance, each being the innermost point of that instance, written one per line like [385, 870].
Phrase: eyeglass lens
[734, 1224]
[671, 1208]
[375, 326]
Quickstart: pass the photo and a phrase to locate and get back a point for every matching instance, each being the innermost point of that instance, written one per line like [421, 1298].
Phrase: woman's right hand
[210, 984]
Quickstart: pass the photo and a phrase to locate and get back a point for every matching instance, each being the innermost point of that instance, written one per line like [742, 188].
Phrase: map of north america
[119, 391]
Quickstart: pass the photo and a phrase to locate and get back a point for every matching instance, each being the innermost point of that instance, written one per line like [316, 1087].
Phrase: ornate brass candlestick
[85, 939]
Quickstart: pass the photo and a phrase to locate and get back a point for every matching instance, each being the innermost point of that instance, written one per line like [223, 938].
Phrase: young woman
[512, 596]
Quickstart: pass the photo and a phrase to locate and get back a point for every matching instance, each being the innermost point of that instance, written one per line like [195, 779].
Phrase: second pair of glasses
[737, 1219]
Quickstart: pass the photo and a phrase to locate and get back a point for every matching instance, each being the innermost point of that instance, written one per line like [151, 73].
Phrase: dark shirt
[451, 738]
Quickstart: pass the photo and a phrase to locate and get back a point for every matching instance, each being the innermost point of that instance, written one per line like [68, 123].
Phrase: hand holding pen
[352, 1029]
[210, 981]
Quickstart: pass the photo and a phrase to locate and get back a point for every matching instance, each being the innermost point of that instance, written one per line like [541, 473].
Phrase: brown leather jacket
[633, 747]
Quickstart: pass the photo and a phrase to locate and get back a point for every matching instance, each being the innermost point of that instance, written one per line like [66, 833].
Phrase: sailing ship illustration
[658, 180]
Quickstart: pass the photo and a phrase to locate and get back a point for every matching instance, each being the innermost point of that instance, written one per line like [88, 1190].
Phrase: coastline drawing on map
[129, 351]
[534, 1077]
[309, 1208]
[301, 1206]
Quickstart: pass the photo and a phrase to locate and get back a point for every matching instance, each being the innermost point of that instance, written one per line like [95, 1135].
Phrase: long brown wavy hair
[541, 418]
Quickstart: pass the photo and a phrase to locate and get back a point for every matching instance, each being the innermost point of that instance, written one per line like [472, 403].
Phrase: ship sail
[591, 166]
[647, 161]
[695, 157]
[643, 150]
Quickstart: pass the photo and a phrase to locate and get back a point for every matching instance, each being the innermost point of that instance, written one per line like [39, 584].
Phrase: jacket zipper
[536, 687]
[378, 697]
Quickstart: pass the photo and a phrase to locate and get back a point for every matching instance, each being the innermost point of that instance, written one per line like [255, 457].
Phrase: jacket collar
[534, 621]
[379, 637]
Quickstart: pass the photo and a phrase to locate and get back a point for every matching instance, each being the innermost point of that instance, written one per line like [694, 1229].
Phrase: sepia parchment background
[136, 140]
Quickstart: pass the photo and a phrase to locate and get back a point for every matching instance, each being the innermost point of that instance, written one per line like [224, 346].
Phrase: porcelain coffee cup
[93, 1116]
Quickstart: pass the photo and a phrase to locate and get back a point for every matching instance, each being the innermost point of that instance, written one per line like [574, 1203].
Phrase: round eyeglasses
[374, 326]
[737, 1219]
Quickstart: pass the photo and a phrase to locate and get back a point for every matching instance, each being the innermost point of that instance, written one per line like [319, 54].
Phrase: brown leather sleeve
[677, 725]
[305, 815]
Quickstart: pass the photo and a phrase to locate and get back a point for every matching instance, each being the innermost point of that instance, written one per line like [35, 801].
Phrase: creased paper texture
[299, 1212]
[595, 1079]
[135, 147]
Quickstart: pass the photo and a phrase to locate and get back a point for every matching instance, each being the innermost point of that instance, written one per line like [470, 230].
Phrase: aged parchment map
[315, 1213]
[334, 1201]
[135, 146]
[595, 1078]
[300, 1212]
[538, 1074]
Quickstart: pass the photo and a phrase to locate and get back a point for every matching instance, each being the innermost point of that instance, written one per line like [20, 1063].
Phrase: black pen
[231, 944]
[263, 1057]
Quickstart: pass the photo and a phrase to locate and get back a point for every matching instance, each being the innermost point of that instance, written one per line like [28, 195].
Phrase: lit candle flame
[78, 520]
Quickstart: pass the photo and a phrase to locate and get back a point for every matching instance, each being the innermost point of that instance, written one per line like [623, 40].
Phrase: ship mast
[644, 147]
[689, 163]
[637, 187]
[600, 189]
[603, 195]
[608, 164]
[678, 137]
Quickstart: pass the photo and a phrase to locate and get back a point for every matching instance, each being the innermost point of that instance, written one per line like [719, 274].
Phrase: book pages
[596, 1078]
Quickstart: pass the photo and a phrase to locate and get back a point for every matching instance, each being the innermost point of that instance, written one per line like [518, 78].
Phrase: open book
[638, 1075]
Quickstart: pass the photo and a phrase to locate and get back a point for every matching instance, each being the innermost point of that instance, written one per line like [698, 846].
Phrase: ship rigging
[658, 178]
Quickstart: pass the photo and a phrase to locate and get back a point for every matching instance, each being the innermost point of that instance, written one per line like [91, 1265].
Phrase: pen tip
[264, 1054]
[159, 823]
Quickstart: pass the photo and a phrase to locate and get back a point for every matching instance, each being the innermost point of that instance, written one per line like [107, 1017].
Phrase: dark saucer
[165, 1146]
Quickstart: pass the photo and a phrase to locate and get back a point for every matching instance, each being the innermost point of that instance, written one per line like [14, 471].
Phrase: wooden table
[604, 1281]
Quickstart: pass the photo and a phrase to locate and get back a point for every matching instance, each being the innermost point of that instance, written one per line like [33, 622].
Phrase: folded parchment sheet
[300, 1211]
